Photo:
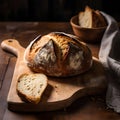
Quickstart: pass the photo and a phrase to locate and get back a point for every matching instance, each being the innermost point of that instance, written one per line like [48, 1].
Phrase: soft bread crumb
[31, 87]
[90, 18]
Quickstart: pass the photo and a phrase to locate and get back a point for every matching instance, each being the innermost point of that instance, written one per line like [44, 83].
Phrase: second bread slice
[91, 18]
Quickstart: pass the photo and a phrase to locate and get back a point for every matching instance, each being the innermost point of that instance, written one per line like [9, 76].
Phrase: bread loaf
[58, 54]
[30, 87]
[91, 18]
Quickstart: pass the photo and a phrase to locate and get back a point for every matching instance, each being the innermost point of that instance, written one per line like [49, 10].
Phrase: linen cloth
[109, 55]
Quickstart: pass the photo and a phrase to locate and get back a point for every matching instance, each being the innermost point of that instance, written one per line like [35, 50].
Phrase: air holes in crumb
[28, 88]
[38, 91]
[41, 85]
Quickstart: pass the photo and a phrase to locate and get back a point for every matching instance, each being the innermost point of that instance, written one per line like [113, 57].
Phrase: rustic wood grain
[3, 67]
[6, 85]
[4, 57]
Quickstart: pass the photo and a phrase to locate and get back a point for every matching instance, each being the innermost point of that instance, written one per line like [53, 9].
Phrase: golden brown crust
[58, 54]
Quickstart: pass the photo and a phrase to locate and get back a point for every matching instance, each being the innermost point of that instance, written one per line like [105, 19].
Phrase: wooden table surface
[86, 108]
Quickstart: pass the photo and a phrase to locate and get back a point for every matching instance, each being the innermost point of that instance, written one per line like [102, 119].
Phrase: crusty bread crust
[30, 87]
[91, 18]
[58, 54]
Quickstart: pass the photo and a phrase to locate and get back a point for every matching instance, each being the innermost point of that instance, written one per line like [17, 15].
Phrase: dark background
[53, 10]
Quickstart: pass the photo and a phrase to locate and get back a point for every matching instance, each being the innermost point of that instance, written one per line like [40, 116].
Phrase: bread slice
[91, 18]
[85, 18]
[30, 87]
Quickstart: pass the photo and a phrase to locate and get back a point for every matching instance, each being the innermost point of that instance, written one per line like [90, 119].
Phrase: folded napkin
[109, 55]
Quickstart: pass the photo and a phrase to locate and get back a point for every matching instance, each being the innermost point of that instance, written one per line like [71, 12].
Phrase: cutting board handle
[13, 46]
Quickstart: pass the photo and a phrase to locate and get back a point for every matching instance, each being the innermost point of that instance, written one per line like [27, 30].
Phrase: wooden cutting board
[60, 92]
